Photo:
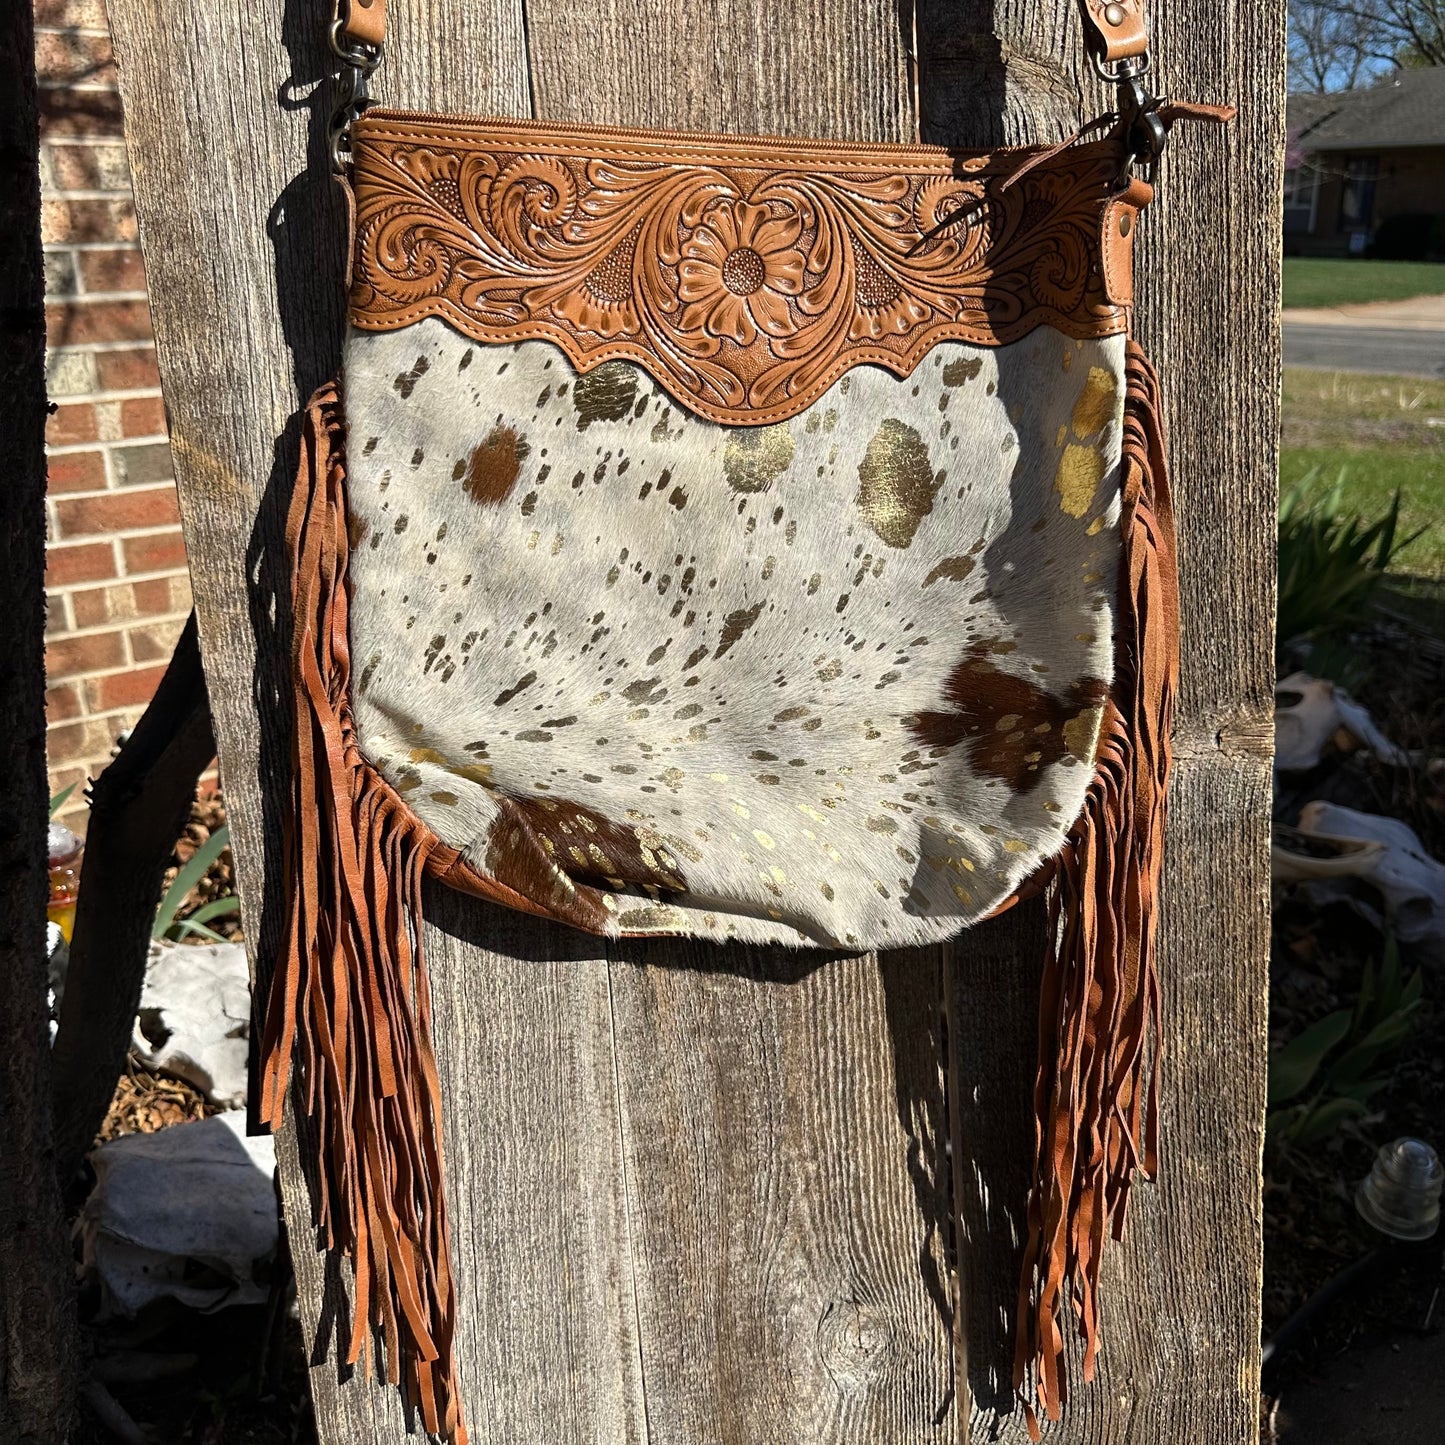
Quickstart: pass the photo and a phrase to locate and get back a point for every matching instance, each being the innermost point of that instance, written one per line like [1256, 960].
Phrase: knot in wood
[854, 1340]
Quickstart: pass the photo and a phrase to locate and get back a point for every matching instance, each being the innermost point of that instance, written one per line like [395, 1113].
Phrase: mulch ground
[1318, 959]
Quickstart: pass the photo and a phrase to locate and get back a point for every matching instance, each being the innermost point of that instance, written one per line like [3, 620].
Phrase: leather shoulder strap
[1115, 28]
[363, 22]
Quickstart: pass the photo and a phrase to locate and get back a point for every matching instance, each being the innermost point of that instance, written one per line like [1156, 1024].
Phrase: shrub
[1329, 563]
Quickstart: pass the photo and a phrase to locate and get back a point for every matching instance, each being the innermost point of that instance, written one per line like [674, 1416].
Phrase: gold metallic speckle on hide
[1081, 462]
[473, 772]
[736, 624]
[1094, 409]
[1081, 469]
[1081, 733]
[659, 917]
[755, 457]
[490, 472]
[953, 569]
[897, 483]
[606, 394]
[962, 370]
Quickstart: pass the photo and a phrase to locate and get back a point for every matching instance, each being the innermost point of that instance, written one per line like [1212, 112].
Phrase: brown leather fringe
[1099, 1006]
[350, 995]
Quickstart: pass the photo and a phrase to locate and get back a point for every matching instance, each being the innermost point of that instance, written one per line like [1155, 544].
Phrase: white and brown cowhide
[835, 680]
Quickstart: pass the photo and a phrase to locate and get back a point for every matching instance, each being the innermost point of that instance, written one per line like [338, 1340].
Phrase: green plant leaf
[217, 908]
[1413, 991]
[1324, 1120]
[1292, 1067]
[1281, 1125]
[60, 799]
[1329, 563]
[1361, 1057]
[189, 925]
[1365, 1004]
[195, 868]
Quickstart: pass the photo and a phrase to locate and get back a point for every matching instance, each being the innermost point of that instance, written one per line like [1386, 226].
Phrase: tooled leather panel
[746, 275]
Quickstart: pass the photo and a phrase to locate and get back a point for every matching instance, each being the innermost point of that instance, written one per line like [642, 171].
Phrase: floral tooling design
[745, 276]
[738, 270]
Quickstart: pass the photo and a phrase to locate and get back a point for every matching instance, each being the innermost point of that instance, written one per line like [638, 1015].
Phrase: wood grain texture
[703, 1194]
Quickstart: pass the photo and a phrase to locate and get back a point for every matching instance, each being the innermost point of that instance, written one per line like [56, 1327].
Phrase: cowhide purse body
[741, 538]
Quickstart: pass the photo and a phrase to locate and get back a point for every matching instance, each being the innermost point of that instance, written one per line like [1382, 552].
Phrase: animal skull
[1310, 713]
[1336, 843]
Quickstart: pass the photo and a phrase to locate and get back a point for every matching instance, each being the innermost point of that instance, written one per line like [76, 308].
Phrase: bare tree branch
[1335, 44]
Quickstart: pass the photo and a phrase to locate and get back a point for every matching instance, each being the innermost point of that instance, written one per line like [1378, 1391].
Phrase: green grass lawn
[1376, 432]
[1316, 281]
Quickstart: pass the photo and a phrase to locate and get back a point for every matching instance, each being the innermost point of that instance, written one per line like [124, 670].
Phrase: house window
[1301, 200]
[1357, 195]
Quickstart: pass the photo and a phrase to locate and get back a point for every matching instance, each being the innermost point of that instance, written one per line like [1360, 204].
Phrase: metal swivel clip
[358, 61]
[1144, 128]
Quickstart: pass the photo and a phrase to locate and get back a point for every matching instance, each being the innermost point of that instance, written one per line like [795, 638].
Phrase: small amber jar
[65, 849]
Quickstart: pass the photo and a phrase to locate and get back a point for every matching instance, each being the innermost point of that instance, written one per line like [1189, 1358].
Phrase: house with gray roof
[1365, 171]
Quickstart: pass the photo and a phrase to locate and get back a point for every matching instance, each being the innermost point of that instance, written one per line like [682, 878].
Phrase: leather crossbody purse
[747, 539]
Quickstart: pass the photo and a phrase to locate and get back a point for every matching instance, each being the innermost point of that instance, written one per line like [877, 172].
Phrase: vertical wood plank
[701, 1194]
[783, 1118]
[1181, 1308]
[244, 239]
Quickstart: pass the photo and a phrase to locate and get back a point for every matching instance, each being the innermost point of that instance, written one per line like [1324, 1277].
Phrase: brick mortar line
[102, 674]
[79, 87]
[59, 590]
[75, 398]
[90, 193]
[122, 196]
[126, 534]
[69, 449]
[78, 680]
[104, 713]
[69, 348]
[83, 298]
[72, 30]
[119, 624]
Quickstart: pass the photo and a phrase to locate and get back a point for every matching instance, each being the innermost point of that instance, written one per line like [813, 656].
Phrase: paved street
[1395, 352]
[1398, 338]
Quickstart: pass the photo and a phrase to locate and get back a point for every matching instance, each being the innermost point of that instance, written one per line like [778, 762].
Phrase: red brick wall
[117, 583]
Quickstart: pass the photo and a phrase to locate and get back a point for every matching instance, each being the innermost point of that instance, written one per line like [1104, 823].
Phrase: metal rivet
[1114, 15]
[1126, 224]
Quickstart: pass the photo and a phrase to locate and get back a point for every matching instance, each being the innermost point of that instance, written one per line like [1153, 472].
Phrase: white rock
[188, 1212]
[195, 1012]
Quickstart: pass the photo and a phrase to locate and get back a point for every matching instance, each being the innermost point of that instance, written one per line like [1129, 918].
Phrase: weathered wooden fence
[708, 1195]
